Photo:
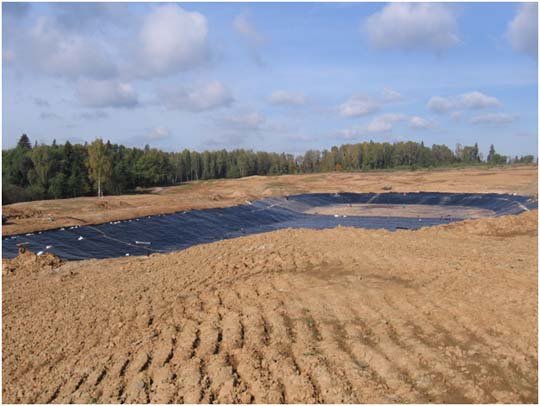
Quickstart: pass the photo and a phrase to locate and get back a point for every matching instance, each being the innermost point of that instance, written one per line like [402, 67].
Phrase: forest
[36, 172]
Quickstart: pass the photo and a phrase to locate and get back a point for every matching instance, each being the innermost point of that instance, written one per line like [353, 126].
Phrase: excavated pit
[172, 232]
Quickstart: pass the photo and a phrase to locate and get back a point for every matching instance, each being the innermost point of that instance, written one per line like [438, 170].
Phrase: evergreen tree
[491, 153]
[24, 142]
[43, 161]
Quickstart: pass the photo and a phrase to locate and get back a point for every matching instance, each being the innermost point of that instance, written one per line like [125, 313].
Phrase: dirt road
[48, 214]
[446, 314]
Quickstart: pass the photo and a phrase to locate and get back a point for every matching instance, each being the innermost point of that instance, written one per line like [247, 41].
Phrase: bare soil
[401, 210]
[47, 214]
[441, 314]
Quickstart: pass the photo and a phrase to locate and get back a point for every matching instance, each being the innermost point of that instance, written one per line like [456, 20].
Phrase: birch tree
[99, 164]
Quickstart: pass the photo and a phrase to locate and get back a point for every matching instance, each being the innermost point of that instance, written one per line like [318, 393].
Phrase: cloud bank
[523, 30]
[473, 100]
[413, 27]
[208, 96]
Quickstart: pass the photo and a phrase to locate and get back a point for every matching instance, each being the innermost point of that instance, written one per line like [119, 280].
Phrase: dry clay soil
[442, 314]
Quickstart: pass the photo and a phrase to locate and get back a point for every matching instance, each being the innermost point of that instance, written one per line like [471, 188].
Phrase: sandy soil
[445, 314]
[42, 215]
[401, 210]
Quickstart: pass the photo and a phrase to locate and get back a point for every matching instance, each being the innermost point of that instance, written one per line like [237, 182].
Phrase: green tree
[99, 164]
[491, 153]
[43, 161]
[24, 142]
[58, 186]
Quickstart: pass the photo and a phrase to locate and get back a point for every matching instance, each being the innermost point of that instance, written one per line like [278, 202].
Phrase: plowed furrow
[330, 383]
[333, 344]
[114, 382]
[472, 355]
[297, 388]
[455, 386]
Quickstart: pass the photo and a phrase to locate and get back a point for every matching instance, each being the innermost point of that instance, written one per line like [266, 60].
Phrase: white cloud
[245, 27]
[522, 31]
[385, 122]
[362, 105]
[477, 100]
[350, 133]
[59, 53]
[106, 41]
[208, 96]
[439, 104]
[456, 115]
[413, 26]
[282, 97]
[495, 119]
[358, 106]
[250, 121]
[390, 95]
[106, 93]
[384, 125]
[250, 34]
[420, 123]
[158, 133]
[172, 40]
[473, 100]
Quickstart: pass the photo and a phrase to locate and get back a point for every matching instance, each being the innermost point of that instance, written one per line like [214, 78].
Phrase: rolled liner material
[171, 232]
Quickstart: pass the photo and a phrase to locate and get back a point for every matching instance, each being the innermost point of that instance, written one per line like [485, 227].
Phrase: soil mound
[28, 262]
[506, 226]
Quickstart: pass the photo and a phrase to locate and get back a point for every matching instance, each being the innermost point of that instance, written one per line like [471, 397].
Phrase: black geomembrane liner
[177, 231]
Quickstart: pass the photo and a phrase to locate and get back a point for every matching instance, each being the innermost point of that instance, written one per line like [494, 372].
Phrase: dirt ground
[443, 314]
[48, 214]
[401, 210]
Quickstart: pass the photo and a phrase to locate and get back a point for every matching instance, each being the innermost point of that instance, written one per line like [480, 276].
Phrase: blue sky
[276, 77]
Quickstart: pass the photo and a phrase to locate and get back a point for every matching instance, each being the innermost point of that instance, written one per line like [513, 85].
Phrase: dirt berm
[445, 314]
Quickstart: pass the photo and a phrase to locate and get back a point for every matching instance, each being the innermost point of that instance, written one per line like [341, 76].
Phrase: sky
[271, 76]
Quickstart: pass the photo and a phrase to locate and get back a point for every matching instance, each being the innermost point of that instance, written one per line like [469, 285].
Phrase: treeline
[71, 170]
